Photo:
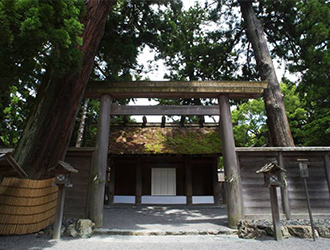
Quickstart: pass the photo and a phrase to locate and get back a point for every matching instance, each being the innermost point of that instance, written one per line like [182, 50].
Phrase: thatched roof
[130, 140]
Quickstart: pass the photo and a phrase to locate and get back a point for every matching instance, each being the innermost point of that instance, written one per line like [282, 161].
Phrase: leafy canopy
[37, 38]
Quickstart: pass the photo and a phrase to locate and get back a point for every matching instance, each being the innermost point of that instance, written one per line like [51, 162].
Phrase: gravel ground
[158, 242]
[161, 218]
[165, 218]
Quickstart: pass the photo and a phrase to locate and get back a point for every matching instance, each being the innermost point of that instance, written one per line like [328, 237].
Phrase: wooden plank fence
[75, 204]
[23, 211]
[256, 195]
[26, 206]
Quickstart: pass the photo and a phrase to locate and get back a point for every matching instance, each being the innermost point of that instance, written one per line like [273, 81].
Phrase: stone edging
[163, 233]
[250, 229]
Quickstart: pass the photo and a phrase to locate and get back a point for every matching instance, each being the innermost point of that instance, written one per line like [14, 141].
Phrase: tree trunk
[47, 134]
[277, 120]
[82, 125]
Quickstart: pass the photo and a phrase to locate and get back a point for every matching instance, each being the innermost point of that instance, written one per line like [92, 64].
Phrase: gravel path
[165, 218]
[158, 243]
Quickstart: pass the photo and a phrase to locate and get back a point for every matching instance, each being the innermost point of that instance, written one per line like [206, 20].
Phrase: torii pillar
[99, 165]
[233, 184]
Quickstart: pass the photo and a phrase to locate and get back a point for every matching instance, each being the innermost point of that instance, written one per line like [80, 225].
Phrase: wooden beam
[188, 181]
[138, 190]
[249, 150]
[144, 121]
[163, 121]
[168, 125]
[175, 89]
[7, 161]
[216, 187]
[164, 110]
[112, 183]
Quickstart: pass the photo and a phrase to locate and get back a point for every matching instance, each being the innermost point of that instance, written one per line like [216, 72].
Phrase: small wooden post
[233, 184]
[273, 178]
[309, 209]
[275, 213]
[138, 194]
[216, 188]
[303, 169]
[188, 181]
[63, 172]
[59, 212]
[284, 189]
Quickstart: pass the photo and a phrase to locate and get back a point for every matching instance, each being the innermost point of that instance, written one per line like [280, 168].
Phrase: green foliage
[296, 113]
[40, 38]
[249, 119]
[37, 38]
[132, 24]
[302, 41]
[36, 33]
[14, 115]
[250, 127]
[191, 51]
[318, 128]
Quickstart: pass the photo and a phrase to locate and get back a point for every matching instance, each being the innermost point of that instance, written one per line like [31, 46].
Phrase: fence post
[59, 212]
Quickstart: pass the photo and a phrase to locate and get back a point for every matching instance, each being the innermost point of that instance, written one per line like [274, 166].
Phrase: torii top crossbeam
[176, 89]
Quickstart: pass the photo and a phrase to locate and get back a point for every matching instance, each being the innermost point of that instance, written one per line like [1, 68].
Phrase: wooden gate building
[223, 91]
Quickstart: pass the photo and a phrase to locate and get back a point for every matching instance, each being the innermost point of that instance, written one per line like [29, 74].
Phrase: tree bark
[82, 125]
[277, 120]
[47, 134]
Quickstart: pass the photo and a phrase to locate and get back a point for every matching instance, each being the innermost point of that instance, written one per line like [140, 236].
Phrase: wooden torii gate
[222, 90]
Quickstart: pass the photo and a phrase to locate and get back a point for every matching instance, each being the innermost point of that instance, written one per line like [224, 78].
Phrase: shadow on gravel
[31, 241]
[147, 217]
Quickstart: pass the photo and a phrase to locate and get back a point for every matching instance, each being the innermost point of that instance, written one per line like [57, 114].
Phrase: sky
[189, 3]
